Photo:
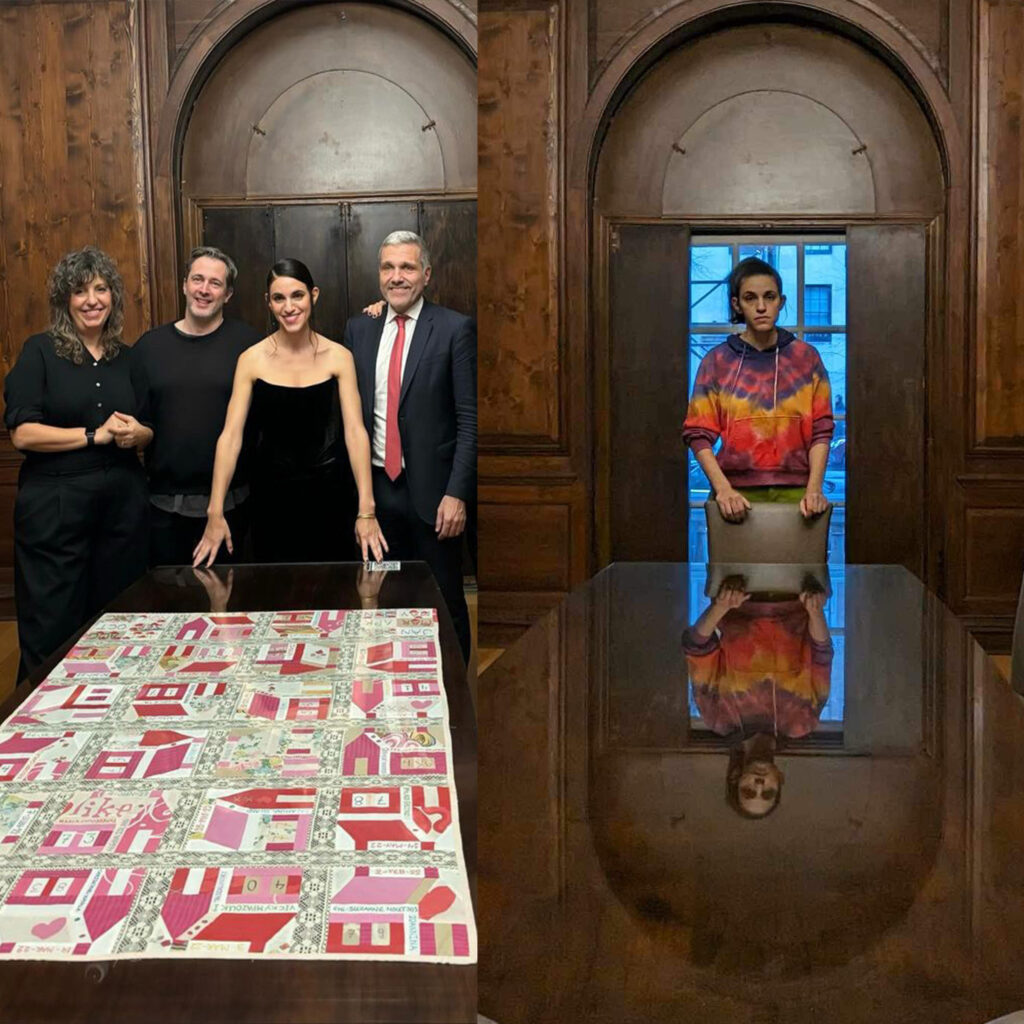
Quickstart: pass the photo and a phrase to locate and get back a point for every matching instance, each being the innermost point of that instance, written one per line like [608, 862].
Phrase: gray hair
[407, 238]
[212, 253]
[75, 270]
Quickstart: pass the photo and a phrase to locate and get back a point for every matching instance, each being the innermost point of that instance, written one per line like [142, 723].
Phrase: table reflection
[760, 673]
[638, 862]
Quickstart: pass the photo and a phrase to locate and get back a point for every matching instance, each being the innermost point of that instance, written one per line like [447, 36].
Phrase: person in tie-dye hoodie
[761, 672]
[766, 394]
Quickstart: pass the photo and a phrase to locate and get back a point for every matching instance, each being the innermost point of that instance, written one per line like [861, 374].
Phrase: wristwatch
[90, 438]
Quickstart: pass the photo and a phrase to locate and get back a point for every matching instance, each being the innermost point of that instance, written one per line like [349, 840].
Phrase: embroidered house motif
[246, 784]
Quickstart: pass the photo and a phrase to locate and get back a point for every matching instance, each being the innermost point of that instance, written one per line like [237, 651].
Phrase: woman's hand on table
[370, 539]
[217, 532]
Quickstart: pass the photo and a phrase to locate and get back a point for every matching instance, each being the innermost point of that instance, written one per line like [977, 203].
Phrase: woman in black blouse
[80, 514]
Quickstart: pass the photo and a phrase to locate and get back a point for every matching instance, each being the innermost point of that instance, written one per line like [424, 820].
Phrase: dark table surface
[264, 991]
[618, 883]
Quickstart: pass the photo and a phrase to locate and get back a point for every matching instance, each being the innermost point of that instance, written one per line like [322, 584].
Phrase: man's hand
[812, 503]
[451, 517]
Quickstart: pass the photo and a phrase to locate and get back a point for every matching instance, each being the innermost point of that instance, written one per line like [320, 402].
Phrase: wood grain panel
[184, 16]
[614, 21]
[246, 234]
[1000, 356]
[886, 395]
[647, 388]
[995, 553]
[316, 236]
[524, 547]
[449, 229]
[66, 157]
[368, 225]
[517, 132]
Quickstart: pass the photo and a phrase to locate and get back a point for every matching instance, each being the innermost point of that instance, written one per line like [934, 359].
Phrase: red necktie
[392, 439]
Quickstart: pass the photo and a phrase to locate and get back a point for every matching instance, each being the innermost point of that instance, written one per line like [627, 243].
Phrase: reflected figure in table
[761, 673]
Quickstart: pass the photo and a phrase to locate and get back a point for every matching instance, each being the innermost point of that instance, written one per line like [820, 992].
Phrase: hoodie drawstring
[735, 389]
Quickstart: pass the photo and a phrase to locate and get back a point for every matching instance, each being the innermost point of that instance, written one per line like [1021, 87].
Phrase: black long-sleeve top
[184, 383]
[44, 387]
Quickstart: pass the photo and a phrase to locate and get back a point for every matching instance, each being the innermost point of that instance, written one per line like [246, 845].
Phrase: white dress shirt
[380, 381]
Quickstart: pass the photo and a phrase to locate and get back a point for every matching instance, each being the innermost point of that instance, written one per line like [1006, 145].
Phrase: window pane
[832, 349]
[825, 268]
[837, 536]
[709, 291]
[783, 259]
[835, 705]
[700, 345]
[818, 305]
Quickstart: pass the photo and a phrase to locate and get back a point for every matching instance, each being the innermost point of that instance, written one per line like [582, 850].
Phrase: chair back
[769, 533]
[770, 582]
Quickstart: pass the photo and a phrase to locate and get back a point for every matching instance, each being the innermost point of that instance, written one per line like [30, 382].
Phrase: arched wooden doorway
[319, 132]
[763, 129]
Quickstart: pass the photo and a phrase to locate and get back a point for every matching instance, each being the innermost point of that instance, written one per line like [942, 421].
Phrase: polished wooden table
[265, 991]
[618, 884]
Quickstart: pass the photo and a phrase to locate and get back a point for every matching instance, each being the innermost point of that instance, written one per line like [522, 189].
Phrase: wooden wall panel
[614, 21]
[1000, 357]
[517, 125]
[534, 554]
[886, 394]
[183, 16]
[67, 162]
[995, 553]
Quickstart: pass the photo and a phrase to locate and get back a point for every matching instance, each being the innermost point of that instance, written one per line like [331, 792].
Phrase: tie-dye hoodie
[762, 671]
[768, 407]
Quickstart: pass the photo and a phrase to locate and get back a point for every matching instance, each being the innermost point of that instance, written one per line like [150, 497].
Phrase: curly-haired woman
[80, 513]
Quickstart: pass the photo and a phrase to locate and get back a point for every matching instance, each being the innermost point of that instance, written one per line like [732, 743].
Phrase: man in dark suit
[416, 367]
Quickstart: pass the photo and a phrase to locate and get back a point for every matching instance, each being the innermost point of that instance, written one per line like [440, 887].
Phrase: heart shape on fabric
[47, 929]
[439, 899]
[421, 703]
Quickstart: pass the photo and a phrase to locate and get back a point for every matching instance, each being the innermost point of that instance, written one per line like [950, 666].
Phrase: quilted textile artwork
[236, 785]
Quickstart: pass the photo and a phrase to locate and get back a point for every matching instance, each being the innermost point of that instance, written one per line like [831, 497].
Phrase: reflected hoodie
[769, 408]
[761, 671]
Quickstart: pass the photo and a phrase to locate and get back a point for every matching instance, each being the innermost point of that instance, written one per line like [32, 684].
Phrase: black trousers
[173, 537]
[410, 538]
[79, 540]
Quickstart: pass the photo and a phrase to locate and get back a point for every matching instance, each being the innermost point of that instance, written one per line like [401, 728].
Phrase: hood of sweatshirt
[741, 347]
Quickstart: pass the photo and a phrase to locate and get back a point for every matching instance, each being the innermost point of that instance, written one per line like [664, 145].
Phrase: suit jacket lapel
[368, 375]
[420, 337]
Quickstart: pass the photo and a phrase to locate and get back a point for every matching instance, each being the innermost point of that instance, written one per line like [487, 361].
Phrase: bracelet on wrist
[367, 515]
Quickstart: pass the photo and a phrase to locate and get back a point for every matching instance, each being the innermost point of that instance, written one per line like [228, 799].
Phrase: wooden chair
[769, 533]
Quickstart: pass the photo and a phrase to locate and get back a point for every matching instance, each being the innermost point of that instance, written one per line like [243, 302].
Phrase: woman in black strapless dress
[297, 389]
[303, 488]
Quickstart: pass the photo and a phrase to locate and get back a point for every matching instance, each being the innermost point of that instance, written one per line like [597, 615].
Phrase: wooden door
[885, 373]
[647, 392]
[339, 242]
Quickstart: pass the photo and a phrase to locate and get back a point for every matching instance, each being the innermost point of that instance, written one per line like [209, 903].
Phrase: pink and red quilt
[236, 785]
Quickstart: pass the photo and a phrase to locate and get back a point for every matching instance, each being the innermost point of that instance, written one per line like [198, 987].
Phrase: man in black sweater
[183, 373]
